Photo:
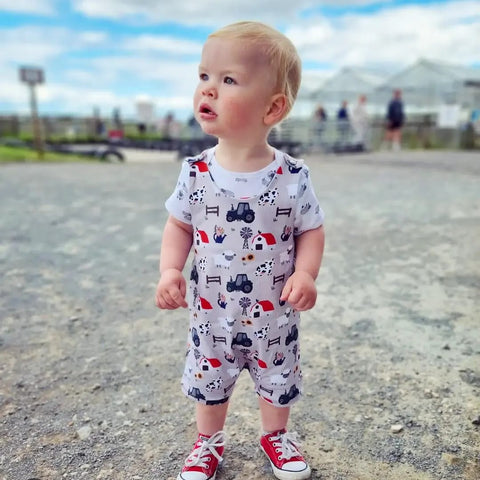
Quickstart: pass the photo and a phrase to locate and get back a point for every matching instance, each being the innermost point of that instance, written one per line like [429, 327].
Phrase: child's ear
[275, 110]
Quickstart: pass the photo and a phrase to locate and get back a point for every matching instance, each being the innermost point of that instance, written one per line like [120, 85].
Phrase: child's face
[234, 90]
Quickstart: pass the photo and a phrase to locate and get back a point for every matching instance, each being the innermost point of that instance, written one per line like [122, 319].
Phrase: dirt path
[90, 370]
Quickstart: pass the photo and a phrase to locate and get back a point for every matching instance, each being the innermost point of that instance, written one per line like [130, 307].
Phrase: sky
[108, 54]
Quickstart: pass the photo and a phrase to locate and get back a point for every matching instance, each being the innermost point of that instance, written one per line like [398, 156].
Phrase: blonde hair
[282, 56]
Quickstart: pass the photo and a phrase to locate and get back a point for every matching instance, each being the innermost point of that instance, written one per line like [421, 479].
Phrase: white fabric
[244, 185]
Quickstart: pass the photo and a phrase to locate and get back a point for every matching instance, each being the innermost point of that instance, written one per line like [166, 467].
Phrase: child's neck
[244, 158]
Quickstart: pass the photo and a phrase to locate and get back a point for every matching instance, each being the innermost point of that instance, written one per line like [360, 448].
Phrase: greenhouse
[428, 88]
[346, 85]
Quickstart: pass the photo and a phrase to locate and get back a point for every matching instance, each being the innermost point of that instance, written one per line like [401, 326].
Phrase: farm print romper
[243, 256]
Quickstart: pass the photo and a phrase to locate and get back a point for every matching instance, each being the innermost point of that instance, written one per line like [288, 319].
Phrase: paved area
[90, 370]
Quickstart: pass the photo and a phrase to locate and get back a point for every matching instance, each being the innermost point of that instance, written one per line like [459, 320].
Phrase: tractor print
[242, 212]
[241, 283]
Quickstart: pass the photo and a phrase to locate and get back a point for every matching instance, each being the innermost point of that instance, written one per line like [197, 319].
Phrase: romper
[243, 255]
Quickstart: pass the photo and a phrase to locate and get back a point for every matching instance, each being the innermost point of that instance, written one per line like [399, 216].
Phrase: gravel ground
[90, 369]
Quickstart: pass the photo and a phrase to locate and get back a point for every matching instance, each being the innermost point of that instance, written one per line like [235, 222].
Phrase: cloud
[393, 37]
[105, 100]
[31, 44]
[191, 12]
[14, 93]
[39, 7]
[183, 75]
[206, 12]
[164, 44]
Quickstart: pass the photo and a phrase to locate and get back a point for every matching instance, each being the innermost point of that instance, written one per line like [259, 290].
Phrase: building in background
[427, 87]
[347, 85]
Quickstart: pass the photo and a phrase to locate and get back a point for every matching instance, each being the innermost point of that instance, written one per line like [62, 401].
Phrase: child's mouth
[206, 110]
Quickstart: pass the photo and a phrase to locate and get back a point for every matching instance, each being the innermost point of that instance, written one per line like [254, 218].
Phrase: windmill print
[246, 233]
[244, 302]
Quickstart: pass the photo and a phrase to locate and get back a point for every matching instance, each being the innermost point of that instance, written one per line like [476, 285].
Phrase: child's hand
[171, 290]
[300, 291]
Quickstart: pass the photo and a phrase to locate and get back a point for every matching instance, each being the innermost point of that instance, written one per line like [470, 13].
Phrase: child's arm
[176, 243]
[300, 291]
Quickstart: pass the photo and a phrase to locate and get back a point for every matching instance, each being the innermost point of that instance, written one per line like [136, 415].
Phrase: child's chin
[210, 130]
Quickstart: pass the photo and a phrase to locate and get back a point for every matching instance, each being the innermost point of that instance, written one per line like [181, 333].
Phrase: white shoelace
[200, 456]
[288, 445]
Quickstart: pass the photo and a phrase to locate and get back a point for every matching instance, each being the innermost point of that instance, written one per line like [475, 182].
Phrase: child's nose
[209, 90]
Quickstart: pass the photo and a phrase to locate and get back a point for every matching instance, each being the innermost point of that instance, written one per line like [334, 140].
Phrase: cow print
[214, 384]
[269, 197]
[204, 328]
[265, 268]
[263, 332]
[196, 197]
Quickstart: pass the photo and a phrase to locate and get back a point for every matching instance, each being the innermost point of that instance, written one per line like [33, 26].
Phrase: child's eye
[229, 81]
[203, 76]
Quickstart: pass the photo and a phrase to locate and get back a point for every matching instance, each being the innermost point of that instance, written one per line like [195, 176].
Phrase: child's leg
[281, 447]
[273, 418]
[211, 418]
[203, 461]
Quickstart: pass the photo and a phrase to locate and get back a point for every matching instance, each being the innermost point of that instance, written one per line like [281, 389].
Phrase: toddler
[252, 218]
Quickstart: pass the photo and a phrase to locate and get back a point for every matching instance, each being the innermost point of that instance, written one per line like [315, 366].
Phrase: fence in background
[421, 132]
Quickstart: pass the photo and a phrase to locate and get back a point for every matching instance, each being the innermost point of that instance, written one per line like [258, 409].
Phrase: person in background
[321, 114]
[343, 123]
[360, 123]
[319, 123]
[256, 227]
[395, 120]
[168, 125]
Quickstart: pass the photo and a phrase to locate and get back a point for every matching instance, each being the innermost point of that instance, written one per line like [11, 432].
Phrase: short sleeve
[177, 204]
[308, 215]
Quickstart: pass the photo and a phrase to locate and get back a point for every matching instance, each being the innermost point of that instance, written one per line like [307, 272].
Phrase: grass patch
[18, 154]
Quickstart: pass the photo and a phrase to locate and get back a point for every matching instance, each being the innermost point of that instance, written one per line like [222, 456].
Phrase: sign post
[33, 76]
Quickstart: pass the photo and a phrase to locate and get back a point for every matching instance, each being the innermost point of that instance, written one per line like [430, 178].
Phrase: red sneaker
[206, 455]
[287, 462]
